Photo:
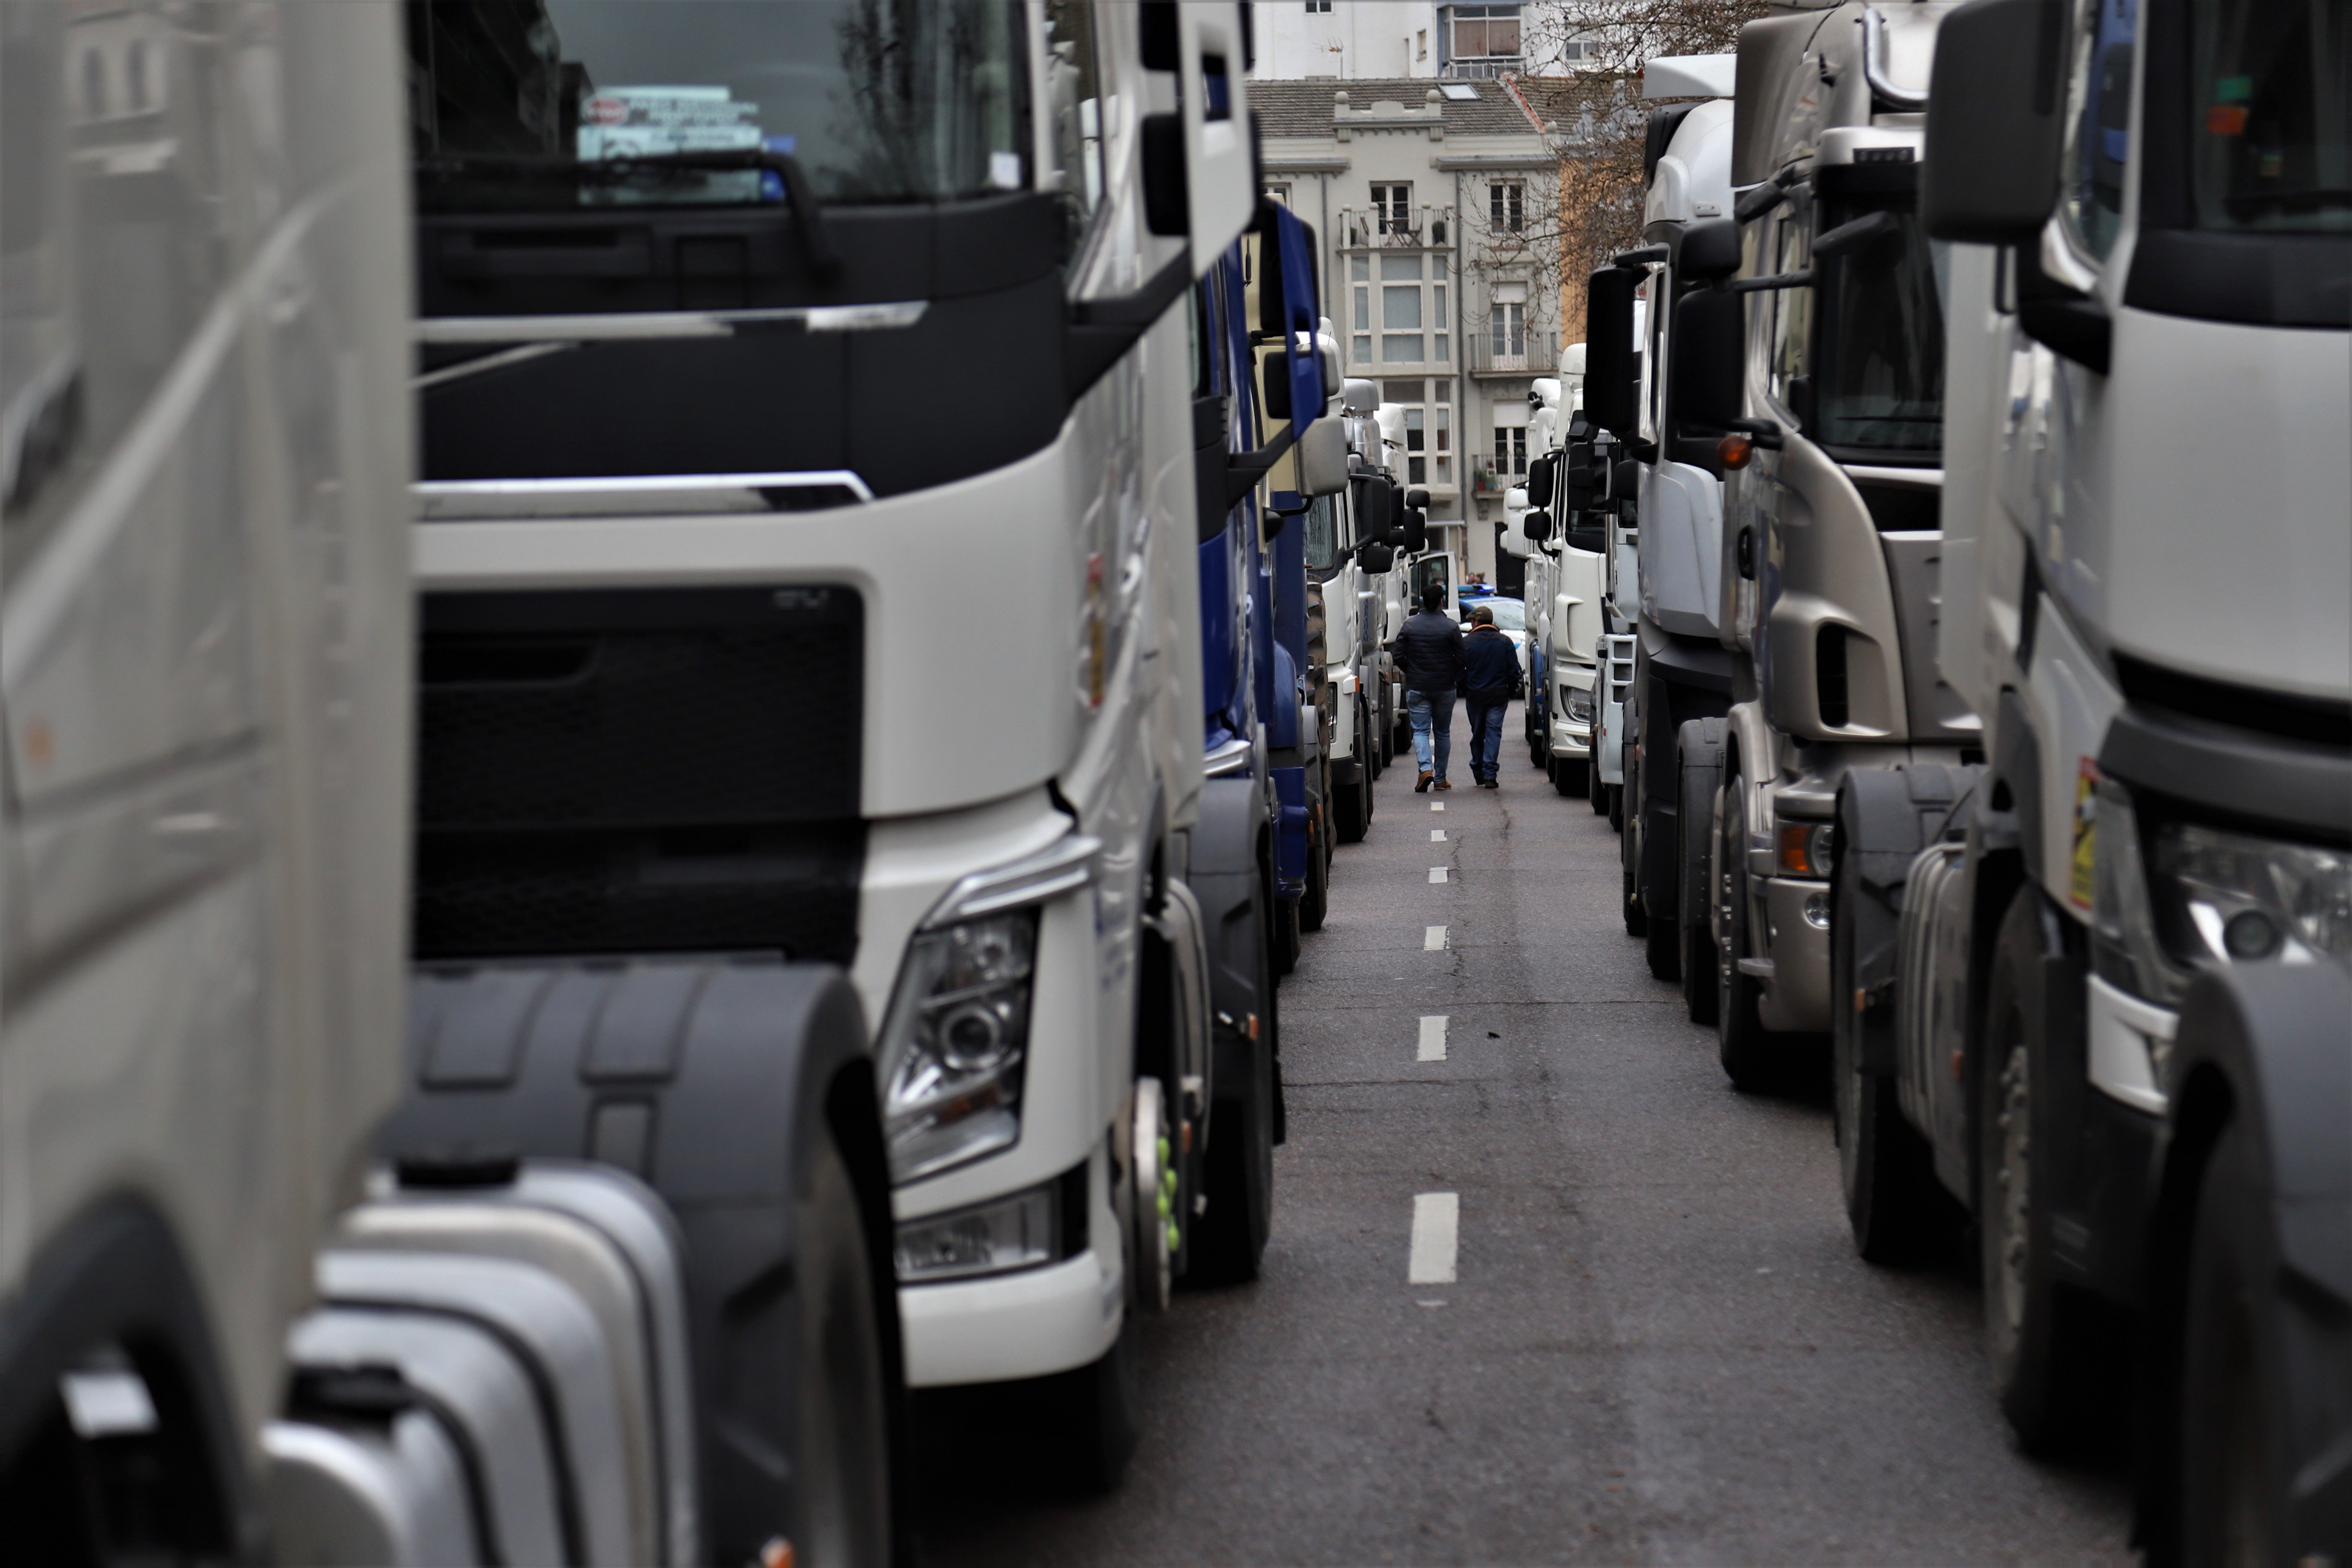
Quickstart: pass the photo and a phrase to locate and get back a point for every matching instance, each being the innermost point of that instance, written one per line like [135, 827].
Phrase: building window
[1421, 44]
[1507, 330]
[1488, 33]
[1401, 311]
[1278, 193]
[1428, 430]
[1392, 207]
[1571, 52]
[1510, 454]
[1319, 7]
[1437, 320]
[1359, 273]
[1506, 206]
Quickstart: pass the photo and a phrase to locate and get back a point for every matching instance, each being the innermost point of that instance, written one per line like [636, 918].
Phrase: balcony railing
[1526, 353]
[1482, 70]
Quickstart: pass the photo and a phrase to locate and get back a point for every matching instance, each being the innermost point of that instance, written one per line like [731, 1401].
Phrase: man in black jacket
[1428, 648]
[1490, 679]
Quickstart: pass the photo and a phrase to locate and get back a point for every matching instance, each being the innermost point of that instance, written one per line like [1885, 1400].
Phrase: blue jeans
[1486, 737]
[1432, 713]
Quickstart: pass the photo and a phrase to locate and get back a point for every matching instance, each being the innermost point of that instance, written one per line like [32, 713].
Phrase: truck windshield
[1880, 378]
[540, 103]
[2270, 126]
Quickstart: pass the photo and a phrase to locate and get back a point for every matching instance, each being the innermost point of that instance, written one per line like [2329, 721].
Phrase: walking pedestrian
[1490, 679]
[1428, 648]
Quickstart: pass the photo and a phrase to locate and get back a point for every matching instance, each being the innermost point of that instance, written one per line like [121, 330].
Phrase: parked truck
[1565, 551]
[935, 705]
[237, 1319]
[203, 647]
[2092, 986]
[1825, 580]
[1662, 499]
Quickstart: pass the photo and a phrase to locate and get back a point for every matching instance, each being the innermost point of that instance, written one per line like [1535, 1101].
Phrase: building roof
[1560, 100]
[1304, 108]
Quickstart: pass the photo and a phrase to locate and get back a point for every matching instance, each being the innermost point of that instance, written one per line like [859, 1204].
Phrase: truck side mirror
[1709, 251]
[1373, 499]
[1611, 369]
[1286, 309]
[1322, 459]
[1578, 487]
[1538, 485]
[1200, 164]
[1416, 530]
[1375, 558]
[1536, 525]
[1709, 355]
[1996, 108]
[1417, 498]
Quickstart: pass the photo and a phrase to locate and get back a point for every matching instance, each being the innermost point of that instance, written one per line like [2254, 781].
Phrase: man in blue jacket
[1490, 679]
[1428, 648]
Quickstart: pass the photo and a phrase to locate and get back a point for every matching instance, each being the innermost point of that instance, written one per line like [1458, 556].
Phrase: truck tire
[1351, 804]
[2236, 1495]
[1595, 792]
[1092, 1408]
[1282, 936]
[1348, 813]
[1229, 1238]
[1886, 1171]
[1567, 776]
[1317, 900]
[2042, 1335]
[1376, 756]
[1742, 1044]
[844, 1495]
[1698, 748]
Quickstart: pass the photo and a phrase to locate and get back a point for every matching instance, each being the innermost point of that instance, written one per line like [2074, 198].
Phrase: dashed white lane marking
[1436, 1228]
[1438, 836]
[1437, 806]
[1433, 1038]
[1437, 873]
[1433, 939]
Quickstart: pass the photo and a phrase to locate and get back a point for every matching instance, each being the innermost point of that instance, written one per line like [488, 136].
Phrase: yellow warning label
[2083, 884]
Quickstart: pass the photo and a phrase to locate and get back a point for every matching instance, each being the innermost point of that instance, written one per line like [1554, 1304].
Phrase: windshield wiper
[808, 218]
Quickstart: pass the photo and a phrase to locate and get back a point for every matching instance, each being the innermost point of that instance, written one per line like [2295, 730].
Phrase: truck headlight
[2192, 895]
[1577, 703]
[954, 1043]
[1023, 1231]
[1805, 849]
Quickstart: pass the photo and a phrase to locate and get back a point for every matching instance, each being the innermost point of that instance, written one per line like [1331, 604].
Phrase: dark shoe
[1488, 784]
[1423, 786]
[1443, 784]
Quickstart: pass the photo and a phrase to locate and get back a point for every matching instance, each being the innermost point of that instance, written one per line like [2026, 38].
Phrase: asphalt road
[1657, 1343]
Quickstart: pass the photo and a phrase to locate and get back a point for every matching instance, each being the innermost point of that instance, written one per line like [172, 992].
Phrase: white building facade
[1404, 40]
[1435, 204]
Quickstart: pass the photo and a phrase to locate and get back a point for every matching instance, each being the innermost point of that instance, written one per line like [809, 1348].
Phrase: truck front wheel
[843, 1459]
[1742, 1042]
[1884, 1169]
[2235, 1494]
[1700, 747]
[2046, 1351]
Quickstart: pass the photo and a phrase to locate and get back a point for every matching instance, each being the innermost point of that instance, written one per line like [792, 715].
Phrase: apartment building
[1368, 40]
[1435, 204]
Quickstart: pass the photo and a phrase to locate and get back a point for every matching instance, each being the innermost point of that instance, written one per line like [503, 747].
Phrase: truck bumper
[1796, 996]
[1569, 740]
[1030, 1324]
